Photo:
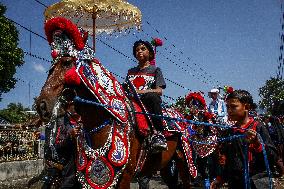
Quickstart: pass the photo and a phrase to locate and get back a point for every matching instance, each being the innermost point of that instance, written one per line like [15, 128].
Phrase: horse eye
[67, 63]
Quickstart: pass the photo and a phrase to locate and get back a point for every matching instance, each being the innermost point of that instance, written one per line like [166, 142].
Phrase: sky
[205, 44]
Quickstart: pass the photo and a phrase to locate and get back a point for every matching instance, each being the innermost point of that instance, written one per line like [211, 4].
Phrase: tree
[11, 56]
[272, 96]
[15, 113]
[181, 106]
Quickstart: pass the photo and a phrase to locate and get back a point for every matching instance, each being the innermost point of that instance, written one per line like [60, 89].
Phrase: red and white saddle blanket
[105, 88]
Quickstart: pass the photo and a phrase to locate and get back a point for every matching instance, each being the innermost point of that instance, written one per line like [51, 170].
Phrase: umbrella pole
[94, 16]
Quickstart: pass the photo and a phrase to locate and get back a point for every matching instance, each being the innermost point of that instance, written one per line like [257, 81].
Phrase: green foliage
[11, 56]
[15, 113]
[272, 96]
[181, 106]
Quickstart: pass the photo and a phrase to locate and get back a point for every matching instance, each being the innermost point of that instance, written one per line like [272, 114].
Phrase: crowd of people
[237, 162]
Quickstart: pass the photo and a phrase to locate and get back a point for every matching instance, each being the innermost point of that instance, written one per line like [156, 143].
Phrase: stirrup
[158, 143]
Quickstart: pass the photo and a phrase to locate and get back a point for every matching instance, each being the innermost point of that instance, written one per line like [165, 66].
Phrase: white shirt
[218, 107]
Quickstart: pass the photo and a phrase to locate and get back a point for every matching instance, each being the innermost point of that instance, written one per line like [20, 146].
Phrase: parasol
[97, 16]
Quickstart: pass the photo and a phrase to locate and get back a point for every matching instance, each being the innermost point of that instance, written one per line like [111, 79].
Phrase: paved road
[156, 183]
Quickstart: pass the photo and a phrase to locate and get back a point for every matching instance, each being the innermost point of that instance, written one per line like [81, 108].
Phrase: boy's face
[237, 111]
[142, 53]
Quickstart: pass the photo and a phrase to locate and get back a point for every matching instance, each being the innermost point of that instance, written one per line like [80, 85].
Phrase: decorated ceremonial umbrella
[97, 16]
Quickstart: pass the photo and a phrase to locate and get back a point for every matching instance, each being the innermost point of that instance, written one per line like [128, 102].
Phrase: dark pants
[280, 162]
[69, 175]
[152, 102]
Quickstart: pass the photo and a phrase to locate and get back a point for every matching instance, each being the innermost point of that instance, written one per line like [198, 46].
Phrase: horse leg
[125, 180]
[144, 182]
[157, 162]
[129, 172]
[183, 171]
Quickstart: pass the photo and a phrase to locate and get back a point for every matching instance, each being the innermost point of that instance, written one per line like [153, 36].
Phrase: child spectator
[234, 153]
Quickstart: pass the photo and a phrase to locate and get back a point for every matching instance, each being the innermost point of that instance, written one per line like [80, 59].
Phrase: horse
[111, 156]
[195, 105]
[205, 153]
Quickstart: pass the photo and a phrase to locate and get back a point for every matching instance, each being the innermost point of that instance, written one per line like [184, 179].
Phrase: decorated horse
[203, 142]
[203, 138]
[113, 146]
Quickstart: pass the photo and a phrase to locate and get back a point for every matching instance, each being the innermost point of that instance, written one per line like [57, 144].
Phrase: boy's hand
[215, 184]
[251, 137]
[74, 132]
[222, 159]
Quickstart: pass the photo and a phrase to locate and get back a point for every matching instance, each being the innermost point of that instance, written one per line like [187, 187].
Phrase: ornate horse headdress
[196, 99]
[64, 37]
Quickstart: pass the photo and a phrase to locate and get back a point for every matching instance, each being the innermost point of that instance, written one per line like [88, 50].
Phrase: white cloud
[39, 68]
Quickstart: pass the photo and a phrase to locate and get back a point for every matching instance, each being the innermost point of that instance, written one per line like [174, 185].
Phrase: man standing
[217, 106]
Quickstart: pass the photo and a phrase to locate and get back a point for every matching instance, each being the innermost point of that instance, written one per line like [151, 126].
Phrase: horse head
[63, 50]
[67, 43]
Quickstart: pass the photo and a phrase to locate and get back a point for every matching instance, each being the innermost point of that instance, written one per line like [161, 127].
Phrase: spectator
[217, 106]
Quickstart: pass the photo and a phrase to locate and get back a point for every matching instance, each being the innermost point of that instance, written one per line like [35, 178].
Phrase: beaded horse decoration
[102, 167]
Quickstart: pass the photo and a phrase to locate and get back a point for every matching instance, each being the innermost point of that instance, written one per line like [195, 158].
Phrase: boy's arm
[158, 90]
[256, 146]
[271, 150]
[160, 81]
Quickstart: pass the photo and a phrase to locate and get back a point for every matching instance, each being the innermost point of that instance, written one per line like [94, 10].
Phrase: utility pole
[280, 66]
[29, 95]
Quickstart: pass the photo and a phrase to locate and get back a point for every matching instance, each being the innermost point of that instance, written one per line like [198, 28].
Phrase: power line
[41, 3]
[178, 65]
[104, 44]
[27, 29]
[204, 81]
[218, 83]
[184, 69]
[36, 56]
[279, 72]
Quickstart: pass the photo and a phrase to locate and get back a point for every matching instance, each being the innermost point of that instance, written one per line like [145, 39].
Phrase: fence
[19, 144]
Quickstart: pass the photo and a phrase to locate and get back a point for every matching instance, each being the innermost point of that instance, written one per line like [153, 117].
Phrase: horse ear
[71, 77]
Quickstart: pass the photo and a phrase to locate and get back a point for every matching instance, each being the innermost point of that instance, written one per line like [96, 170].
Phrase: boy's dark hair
[147, 44]
[243, 96]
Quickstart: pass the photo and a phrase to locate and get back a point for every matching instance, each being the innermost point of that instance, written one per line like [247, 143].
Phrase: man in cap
[217, 106]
